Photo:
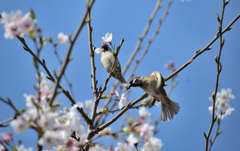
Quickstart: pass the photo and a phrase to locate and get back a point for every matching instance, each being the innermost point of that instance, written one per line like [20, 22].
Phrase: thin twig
[161, 19]
[65, 76]
[6, 121]
[137, 48]
[66, 60]
[219, 69]
[9, 102]
[124, 109]
[199, 52]
[106, 111]
[216, 134]
[93, 69]
[50, 77]
[101, 91]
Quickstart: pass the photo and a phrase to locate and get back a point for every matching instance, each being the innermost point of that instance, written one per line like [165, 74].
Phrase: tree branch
[72, 42]
[124, 109]
[199, 52]
[42, 63]
[137, 48]
[219, 69]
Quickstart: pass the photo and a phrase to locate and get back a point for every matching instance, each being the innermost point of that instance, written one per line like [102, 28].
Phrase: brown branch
[101, 91]
[199, 52]
[124, 109]
[6, 121]
[139, 43]
[9, 102]
[161, 19]
[65, 76]
[72, 42]
[137, 48]
[116, 110]
[219, 69]
[50, 77]
[216, 134]
[17, 113]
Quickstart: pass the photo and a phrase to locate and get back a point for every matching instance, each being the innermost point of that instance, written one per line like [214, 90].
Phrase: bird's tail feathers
[123, 82]
[169, 110]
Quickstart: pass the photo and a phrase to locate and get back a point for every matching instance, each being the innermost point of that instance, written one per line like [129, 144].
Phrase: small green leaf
[218, 17]
[32, 14]
[14, 149]
[43, 61]
[41, 41]
[118, 49]
[216, 58]
[229, 28]
[220, 67]
[197, 51]
[88, 19]
[204, 134]
[21, 111]
[56, 105]
[219, 29]
[227, 2]
[115, 135]
[209, 48]
[61, 89]
[223, 41]
[4, 125]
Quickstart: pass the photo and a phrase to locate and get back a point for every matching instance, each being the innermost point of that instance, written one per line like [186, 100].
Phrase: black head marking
[105, 47]
[135, 82]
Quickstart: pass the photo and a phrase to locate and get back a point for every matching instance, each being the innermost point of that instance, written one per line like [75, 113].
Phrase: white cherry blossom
[108, 37]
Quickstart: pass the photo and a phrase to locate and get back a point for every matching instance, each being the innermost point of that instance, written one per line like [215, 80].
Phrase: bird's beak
[129, 86]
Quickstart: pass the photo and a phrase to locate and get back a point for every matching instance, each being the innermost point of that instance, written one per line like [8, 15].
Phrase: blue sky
[191, 25]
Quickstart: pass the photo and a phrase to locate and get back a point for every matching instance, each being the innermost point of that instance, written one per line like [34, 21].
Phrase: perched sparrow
[107, 60]
[153, 86]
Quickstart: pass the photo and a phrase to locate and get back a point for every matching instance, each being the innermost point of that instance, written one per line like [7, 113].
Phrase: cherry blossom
[22, 148]
[122, 101]
[2, 148]
[20, 125]
[144, 115]
[62, 38]
[115, 92]
[15, 24]
[123, 147]
[222, 108]
[108, 37]
[153, 144]
[99, 50]
[6, 137]
[146, 131]
[89, 104]
[50, 139]
[131, 140]
[97, 147]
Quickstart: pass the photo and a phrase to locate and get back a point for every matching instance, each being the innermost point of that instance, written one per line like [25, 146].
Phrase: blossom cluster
[17, 24]
[54, 125]
[222, 108]
[107, 38]
[136, 131]
[144, 131]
